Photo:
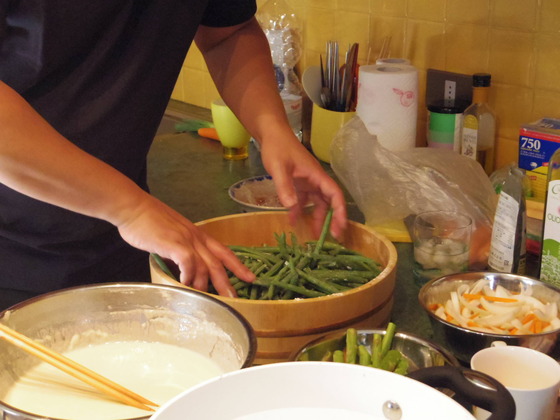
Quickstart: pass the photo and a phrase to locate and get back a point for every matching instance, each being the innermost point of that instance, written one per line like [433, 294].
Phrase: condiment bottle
[478, 135]
[550, 253]
[282, 29]
[508, 252]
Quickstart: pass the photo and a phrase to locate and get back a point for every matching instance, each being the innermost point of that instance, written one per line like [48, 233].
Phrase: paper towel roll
[388, 103]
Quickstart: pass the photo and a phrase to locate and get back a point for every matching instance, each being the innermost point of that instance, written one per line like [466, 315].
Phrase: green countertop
[188, 173]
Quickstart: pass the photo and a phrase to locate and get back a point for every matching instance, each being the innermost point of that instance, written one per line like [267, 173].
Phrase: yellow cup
[324, 126]
[233, 135]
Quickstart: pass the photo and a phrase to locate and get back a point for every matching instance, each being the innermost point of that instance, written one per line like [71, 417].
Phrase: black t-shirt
[101, 72]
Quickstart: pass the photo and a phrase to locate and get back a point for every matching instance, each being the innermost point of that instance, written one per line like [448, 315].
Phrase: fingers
[206, 261]
[340, 216]
[200, 258]
[323, 196]
[286, 190]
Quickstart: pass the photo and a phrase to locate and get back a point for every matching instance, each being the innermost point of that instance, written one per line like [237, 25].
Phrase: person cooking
[83, 88]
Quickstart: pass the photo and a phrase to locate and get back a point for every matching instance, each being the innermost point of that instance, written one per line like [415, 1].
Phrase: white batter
[155, 371]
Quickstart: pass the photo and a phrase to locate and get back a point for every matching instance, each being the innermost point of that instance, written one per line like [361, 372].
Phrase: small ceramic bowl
[257, 192]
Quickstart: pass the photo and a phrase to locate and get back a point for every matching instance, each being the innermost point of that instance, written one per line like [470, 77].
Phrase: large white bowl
[311, 390]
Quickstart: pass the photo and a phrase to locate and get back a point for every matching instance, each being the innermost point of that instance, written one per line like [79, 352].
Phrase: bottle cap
[481, 79]
[447, 107]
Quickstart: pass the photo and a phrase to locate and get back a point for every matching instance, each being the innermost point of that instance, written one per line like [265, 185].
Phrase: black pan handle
[492, 397]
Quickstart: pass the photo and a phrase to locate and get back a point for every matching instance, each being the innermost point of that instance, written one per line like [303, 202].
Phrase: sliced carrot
[490, 298]
[513, 331]
[472, 324]
[208, 132]
[537, 326]
[528, 318]
[434, 306]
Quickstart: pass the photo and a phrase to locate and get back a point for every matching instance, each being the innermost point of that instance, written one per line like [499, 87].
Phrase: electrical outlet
[447, 88]
[449, 91]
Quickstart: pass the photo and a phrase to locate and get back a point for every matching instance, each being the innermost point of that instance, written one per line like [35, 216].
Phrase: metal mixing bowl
[96, 314]
[420, 353]
[464, 342]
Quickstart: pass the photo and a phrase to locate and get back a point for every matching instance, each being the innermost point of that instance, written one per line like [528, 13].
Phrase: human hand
[156, 228]
[300, 179]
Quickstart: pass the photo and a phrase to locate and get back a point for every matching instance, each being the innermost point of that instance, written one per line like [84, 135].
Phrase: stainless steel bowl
[96, 314]
[464, 342]
[420, 353]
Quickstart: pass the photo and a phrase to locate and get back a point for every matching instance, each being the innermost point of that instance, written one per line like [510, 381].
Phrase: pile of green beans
[381, 355]
[291, 270]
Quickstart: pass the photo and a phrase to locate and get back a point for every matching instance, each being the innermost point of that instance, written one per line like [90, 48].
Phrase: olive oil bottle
[478, 134]
[550, 253]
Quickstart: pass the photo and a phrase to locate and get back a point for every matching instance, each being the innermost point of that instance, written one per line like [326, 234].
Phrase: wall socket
[450, 89]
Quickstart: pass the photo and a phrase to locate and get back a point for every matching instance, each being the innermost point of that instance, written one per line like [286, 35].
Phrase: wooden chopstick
[76, 370]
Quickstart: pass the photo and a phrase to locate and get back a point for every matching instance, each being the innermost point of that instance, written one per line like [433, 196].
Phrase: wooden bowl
[284, 326]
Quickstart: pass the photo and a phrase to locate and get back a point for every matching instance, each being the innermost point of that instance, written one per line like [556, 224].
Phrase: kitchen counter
[188, 173]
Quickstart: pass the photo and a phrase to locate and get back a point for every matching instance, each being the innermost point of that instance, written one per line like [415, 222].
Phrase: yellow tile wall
[517, 41]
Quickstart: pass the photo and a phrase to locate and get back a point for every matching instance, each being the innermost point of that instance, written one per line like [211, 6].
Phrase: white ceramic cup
[532, 378]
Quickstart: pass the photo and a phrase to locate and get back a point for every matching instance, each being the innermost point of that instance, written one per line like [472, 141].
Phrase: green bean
[324, 232]
[338, 356]
[364, 358]
[263, 249]
[388, 338]
[303, 262]
[163, 266]
[291, 279]
[356, 262]
[402, 366]
[262, 282]
[343, 274]
[327, 357]
[282, 276]
[295, 246]
[390, 360]
[351, 345]
[240, 285]
[298, 289]
[330, 247]
[376, 351]
[258, 255]
[319, 284]
[244, 293]
[254, 293]
[282, 245]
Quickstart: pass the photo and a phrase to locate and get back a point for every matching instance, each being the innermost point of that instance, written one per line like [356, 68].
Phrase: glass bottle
[283, 31]
[550, 253]
[478, 135]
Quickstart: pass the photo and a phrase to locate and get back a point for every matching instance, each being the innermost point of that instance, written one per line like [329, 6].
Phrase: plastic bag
[391, 186]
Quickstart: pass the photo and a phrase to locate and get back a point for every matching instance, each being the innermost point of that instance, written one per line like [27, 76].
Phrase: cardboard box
[537, 142]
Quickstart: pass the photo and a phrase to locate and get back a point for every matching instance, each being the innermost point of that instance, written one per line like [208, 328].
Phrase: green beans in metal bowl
[398, 352]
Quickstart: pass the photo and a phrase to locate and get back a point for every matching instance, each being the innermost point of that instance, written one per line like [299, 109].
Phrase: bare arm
[240, 63]
[39, 162]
